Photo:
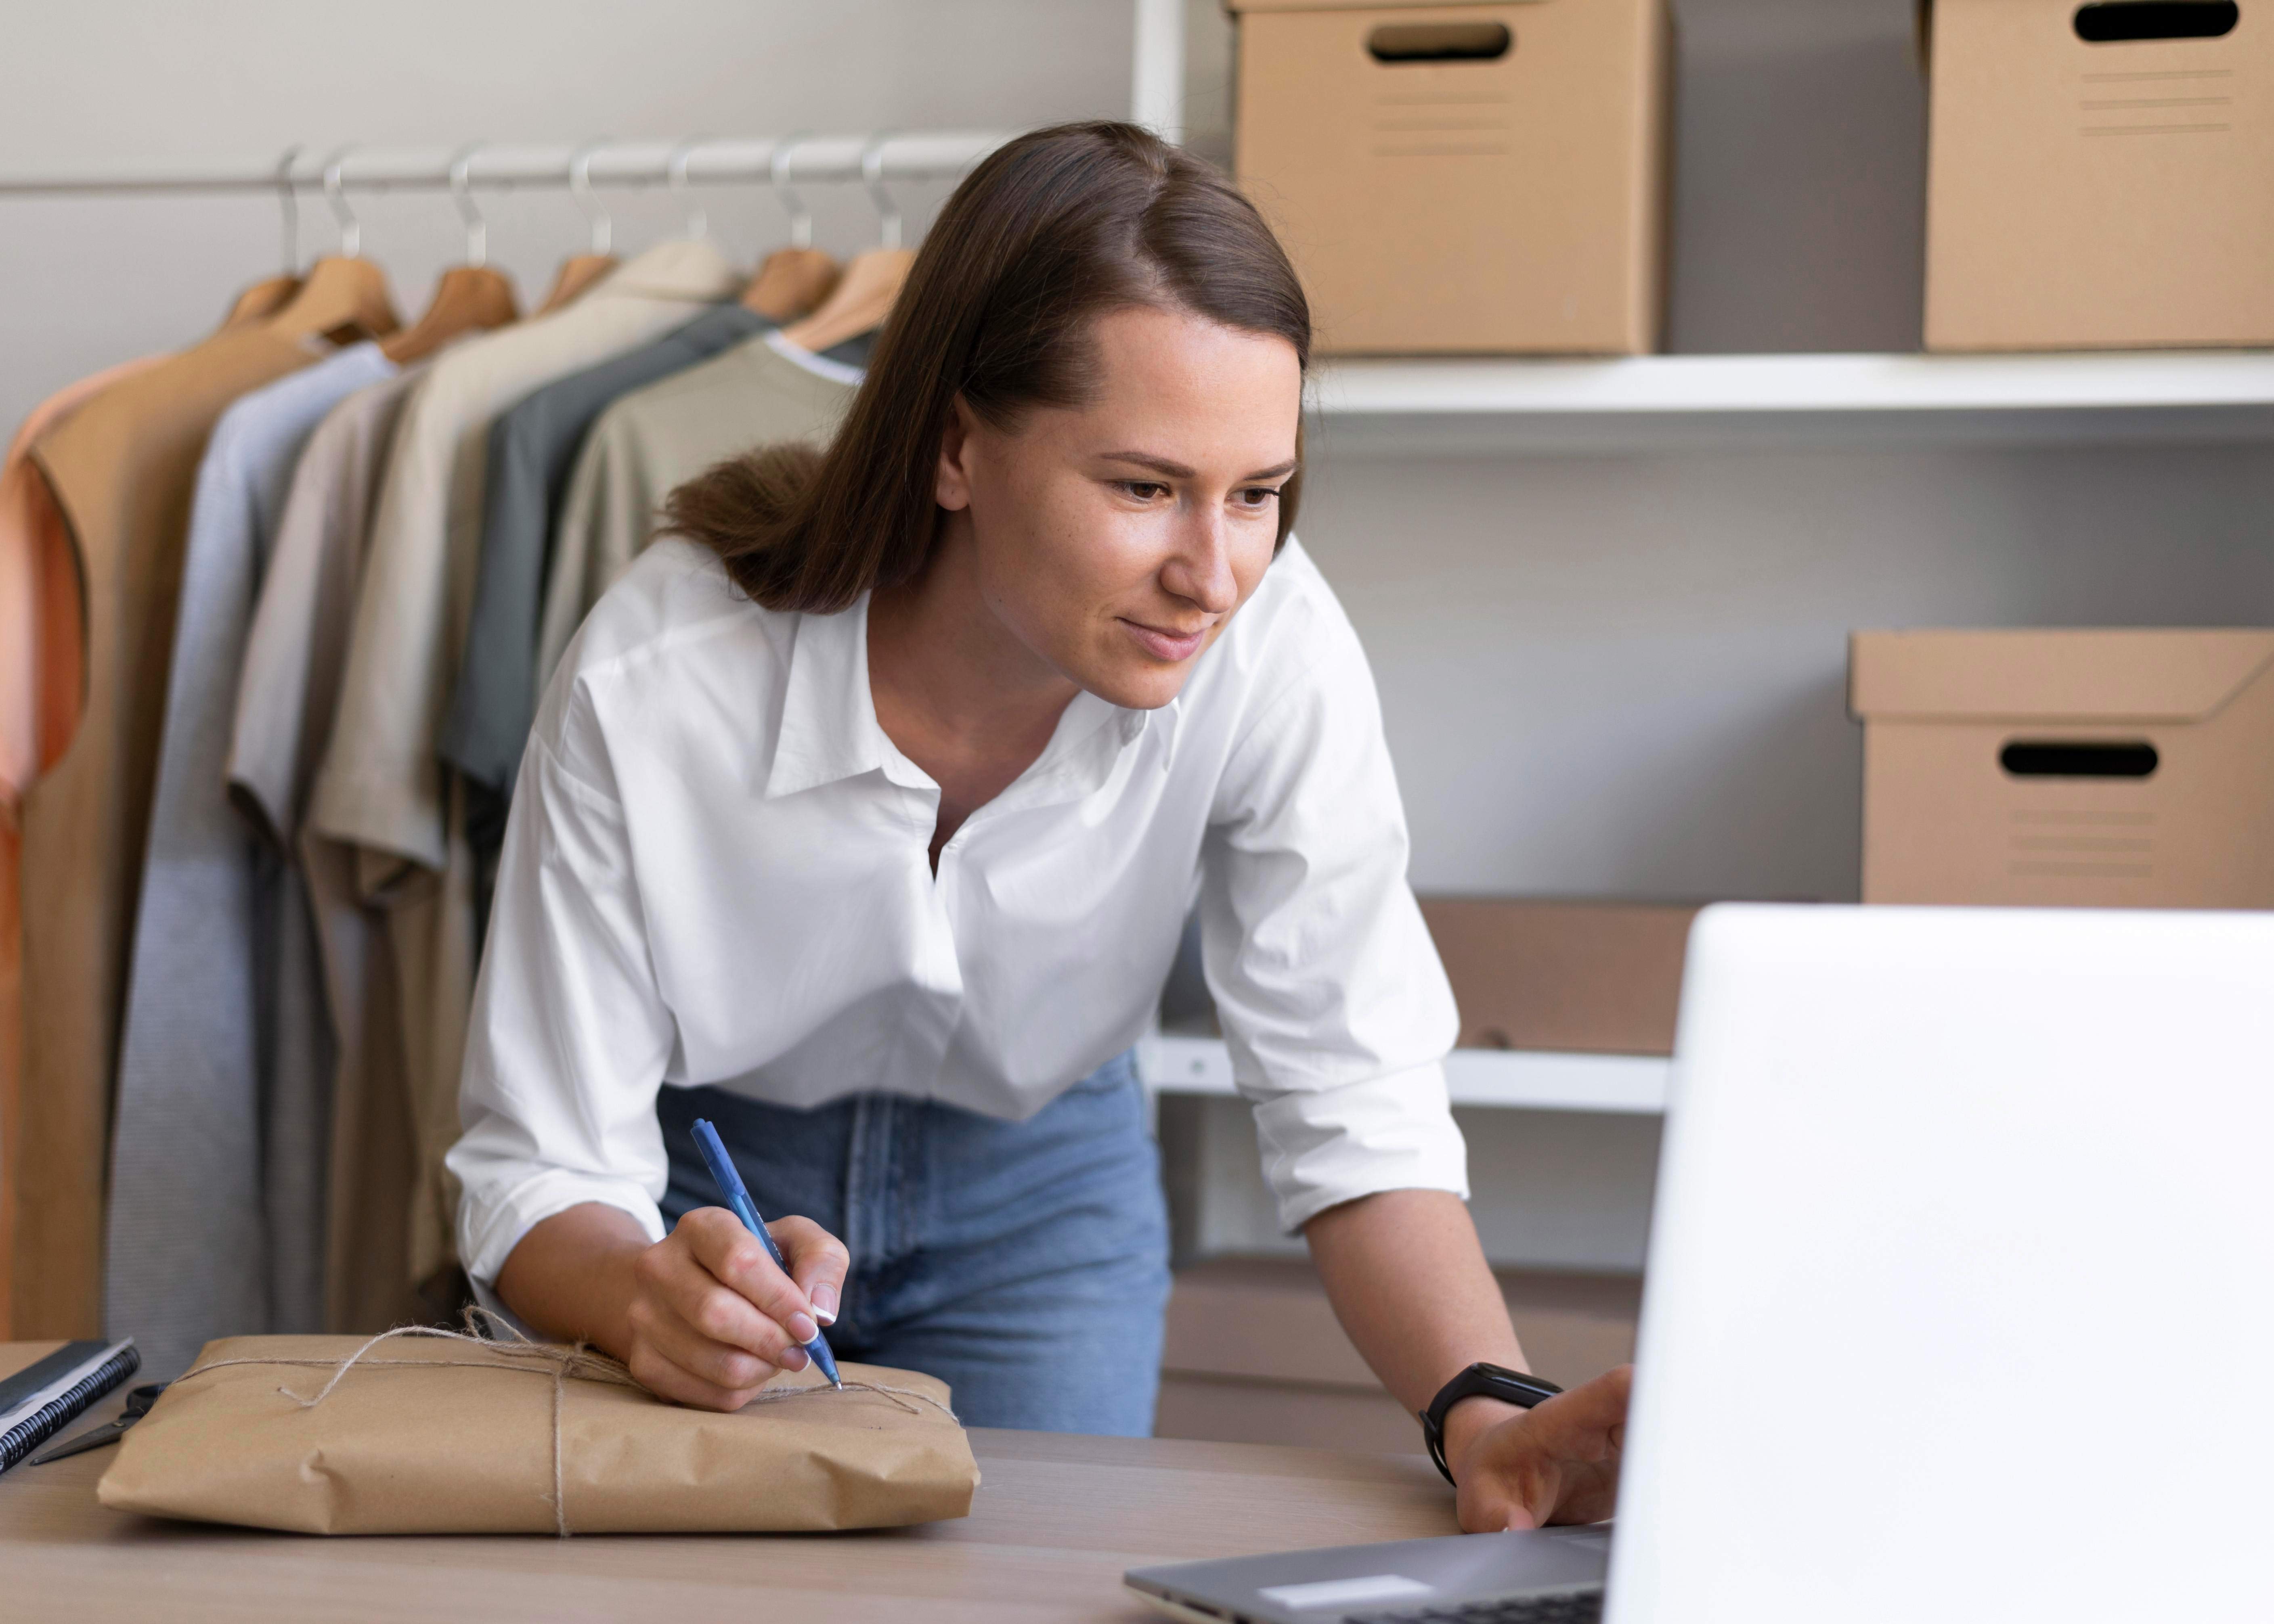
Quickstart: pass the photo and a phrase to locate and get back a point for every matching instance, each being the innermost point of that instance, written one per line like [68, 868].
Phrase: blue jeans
[1026, 1264]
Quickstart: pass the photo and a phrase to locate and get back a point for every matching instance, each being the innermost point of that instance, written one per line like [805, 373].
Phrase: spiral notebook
[48, 1395]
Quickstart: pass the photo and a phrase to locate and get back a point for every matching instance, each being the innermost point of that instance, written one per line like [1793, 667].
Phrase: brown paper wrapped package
[432, 1435]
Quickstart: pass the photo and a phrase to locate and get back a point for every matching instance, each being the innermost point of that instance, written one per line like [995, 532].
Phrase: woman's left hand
[1558, 1463]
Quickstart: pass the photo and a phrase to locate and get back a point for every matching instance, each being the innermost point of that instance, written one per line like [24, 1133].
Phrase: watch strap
[1479, 1381]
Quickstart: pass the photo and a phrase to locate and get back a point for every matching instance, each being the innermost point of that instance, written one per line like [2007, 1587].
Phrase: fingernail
[802, 1327]
[796, 1359]
[824, 1298]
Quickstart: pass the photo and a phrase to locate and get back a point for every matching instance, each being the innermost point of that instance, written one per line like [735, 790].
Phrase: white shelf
[1624, 1085]
[1471, 406]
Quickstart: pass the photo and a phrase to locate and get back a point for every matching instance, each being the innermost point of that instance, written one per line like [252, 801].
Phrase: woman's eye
[1259, 496]
[1143, 490]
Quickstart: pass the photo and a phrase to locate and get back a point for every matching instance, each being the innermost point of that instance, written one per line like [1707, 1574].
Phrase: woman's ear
[952, 485]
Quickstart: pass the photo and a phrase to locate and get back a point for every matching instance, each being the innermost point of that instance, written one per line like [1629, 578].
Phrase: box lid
[2159, 675]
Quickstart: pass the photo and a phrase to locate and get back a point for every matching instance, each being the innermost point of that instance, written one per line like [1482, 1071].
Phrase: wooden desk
[1057, 1520]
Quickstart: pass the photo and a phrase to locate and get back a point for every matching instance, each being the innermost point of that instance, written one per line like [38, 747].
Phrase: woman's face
[1115, 540]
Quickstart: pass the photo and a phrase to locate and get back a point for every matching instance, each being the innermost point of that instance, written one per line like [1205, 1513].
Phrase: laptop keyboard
[1561, 1607]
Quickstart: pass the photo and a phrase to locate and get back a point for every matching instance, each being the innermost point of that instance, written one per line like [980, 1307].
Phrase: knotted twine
[563, 1362]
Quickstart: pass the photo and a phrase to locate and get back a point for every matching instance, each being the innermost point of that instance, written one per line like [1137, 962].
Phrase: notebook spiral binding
[59, 1412]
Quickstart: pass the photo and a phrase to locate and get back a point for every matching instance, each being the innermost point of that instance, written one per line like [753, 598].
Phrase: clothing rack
[874, 158]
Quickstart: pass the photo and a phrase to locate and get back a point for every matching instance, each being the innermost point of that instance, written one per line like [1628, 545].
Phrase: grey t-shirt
[532, 450]
[220, 1135]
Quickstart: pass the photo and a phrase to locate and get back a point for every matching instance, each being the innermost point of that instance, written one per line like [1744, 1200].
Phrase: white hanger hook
[461, 193]
[699, 223]
[872, 176]
[288, 204]
[580, 188]
[335, 194]
[801, 218]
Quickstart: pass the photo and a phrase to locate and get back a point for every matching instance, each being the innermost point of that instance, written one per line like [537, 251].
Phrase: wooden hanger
[577, 273]
[862, 298]
[470, 298]
[793, 282]
[263, 298]
[864, 294]
[344, 298]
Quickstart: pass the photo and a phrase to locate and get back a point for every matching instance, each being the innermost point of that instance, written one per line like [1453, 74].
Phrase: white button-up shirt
[716, 873]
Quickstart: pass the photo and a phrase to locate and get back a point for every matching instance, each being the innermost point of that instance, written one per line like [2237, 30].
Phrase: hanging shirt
[219, 1134]
[532, 450]
[40, 666]
[287, 690]
[121, 469]
[716, 873]
[381, 787]
[659, 438]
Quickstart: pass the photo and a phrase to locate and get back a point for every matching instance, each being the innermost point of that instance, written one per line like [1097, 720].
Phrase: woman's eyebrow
[1177, 470]
[1159, 465]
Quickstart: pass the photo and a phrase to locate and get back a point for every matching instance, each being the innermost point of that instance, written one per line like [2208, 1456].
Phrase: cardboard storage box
[2092, 768]
[1597, 977]
[1487, 180]
[2091, 188]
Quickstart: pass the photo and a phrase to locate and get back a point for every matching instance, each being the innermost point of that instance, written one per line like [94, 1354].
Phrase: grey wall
[113, 84]
[1627, 676]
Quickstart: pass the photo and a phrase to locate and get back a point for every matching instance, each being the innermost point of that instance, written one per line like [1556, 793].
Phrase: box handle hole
[1439, 42]
[2078, 758]
[2107, 22]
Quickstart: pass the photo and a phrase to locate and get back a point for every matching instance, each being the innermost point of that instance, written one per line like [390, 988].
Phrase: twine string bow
[562, 1362]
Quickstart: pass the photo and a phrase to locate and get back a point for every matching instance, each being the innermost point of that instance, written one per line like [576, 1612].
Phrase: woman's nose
[1199, 569]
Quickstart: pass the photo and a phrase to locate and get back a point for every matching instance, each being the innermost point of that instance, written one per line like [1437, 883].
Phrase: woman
[862, 818]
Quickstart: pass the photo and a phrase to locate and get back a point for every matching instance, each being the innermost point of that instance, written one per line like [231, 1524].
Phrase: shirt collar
[690, 268]
[820, 365]
[828, 729]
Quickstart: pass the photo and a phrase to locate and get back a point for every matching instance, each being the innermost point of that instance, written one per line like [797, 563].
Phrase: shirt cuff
[490, 1227]
[1324, 1147]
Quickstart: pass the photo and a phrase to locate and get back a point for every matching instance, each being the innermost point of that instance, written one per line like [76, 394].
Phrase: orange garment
[121, 469]
[40, 679]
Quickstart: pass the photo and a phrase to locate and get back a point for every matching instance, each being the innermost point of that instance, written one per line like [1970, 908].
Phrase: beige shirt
[381, 788]
[121, 469]
[288, 689]
[40, 663]
[661, 437]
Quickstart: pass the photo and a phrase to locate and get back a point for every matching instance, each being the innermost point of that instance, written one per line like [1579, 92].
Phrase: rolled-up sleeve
[569, 1035]
[1334, 1004]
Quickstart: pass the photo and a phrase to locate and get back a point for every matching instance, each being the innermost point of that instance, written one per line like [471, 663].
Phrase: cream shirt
[381, 788]
[381, 783]
[716, 873]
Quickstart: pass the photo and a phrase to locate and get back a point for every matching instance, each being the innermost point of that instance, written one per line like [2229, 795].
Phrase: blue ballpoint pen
[730, 1185]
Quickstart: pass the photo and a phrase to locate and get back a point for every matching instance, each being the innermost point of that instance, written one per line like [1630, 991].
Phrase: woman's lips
[1166, 645]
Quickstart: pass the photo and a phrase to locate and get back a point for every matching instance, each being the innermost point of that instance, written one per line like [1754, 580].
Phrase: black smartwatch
[1479, 1381]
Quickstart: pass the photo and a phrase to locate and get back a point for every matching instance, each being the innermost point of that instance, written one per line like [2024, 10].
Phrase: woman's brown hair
[1052, 231]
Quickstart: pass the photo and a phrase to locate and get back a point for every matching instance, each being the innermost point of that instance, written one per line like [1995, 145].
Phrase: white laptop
[1959, 1302]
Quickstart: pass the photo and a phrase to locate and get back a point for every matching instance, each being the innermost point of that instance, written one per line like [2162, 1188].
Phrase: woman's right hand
[702, 1316]
[710, 1317]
